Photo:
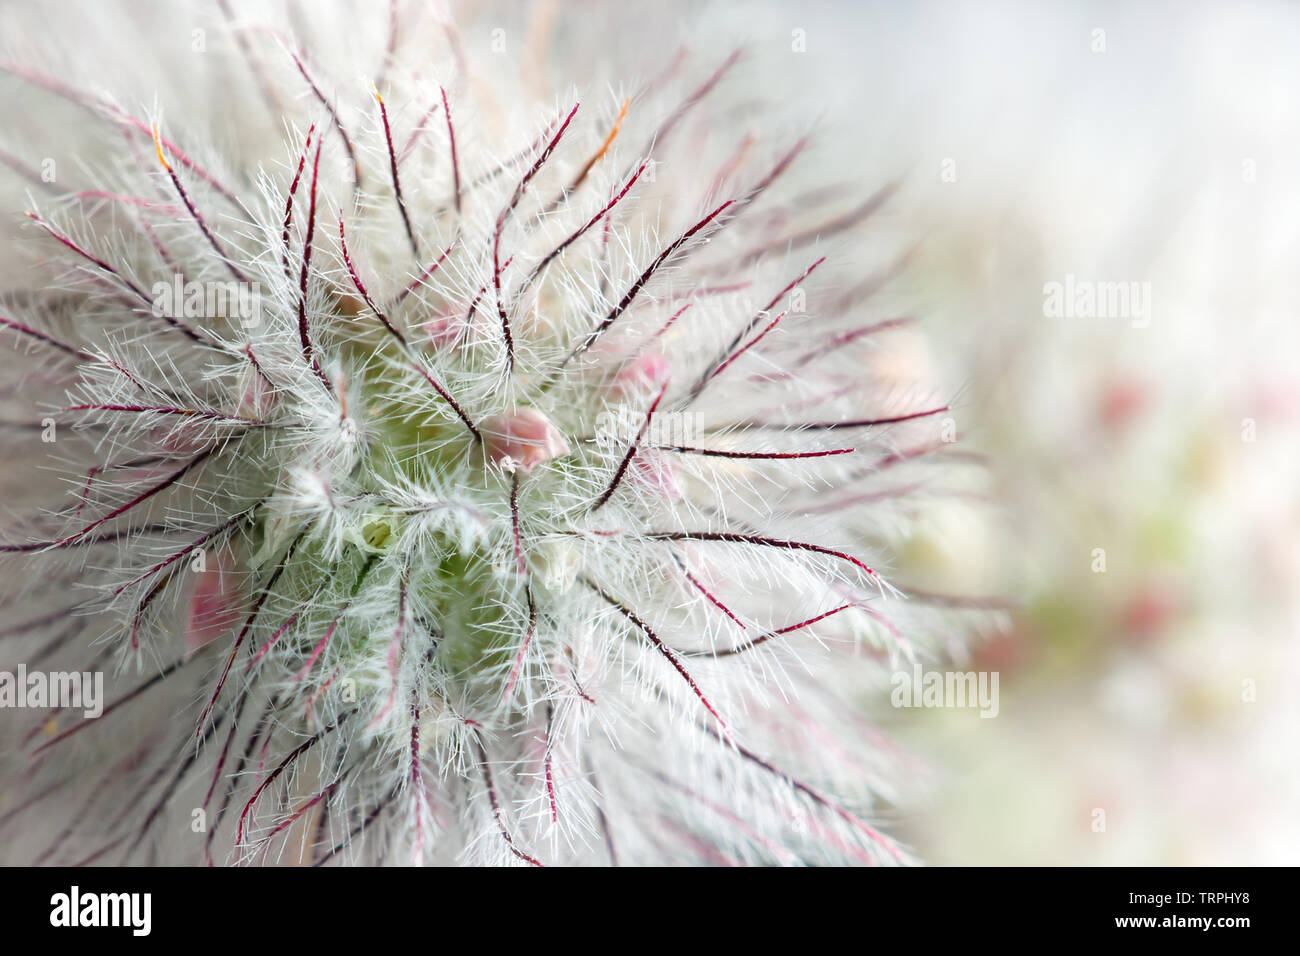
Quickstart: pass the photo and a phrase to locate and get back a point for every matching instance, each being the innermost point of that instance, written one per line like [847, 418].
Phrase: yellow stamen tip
[157, 144]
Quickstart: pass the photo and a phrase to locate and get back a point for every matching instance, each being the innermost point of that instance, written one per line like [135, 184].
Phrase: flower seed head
[538, 510]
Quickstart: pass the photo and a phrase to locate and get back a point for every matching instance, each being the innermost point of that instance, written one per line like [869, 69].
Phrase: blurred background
[1146, 512]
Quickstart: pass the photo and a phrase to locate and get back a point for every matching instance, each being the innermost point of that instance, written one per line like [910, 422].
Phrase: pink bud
[521, 439]
[183, 438]
[215, 604]
[258, 398]
[444, 330]
[656, 472]
[645, 373]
